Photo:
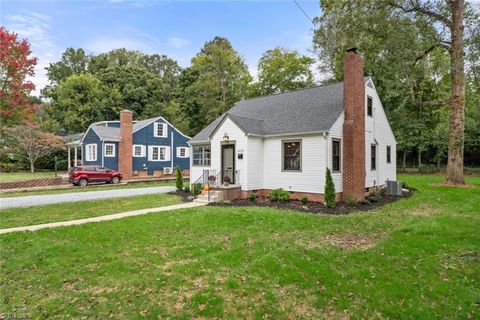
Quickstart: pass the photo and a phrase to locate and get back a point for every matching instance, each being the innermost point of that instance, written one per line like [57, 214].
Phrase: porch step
[215, 196]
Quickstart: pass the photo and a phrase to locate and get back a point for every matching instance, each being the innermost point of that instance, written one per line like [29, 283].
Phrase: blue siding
[145, 137]
[91, 137]
[111, 162]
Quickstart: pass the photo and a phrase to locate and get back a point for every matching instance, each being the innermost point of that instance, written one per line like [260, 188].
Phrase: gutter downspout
[103, 159]
[171, 151]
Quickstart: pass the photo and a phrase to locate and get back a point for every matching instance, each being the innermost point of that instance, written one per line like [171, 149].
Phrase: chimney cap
[354, 50]
[126, 111]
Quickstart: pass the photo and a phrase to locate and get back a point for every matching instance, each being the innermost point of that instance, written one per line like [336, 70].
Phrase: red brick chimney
[353, 126]
[125, 144]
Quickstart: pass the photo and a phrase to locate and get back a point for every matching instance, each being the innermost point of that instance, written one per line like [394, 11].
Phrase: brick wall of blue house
[92, 138]
[111, 162]
[145, 137]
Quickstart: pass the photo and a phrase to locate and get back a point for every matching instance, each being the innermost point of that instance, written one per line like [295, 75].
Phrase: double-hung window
[201, 155]
[91, 154]
[292, 155]
[109, 150]
[160, 130]
[336, 155]
[158, 153]
[369, 106]
[138, 150]
[389, 154]
[182, 152]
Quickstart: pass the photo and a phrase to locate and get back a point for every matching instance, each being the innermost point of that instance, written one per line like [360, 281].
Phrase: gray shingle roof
[307, 110]
[113, 134]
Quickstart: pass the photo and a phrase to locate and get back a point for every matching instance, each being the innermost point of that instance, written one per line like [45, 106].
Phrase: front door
[228, 162]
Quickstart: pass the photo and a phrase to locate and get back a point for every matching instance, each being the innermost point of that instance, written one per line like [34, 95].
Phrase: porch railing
[211, 178]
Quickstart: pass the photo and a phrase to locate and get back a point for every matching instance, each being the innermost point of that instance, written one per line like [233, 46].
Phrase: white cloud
[178, 42]
[36, 28]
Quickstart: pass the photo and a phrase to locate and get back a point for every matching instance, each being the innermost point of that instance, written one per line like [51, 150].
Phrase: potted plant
[226, 181]
[212, 178]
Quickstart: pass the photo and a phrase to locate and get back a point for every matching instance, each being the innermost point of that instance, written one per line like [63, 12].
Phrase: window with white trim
[183, 152]
[201, 155]
[109, 150]
[292, 155]
[91, 152]
[158, 153]
[138, 150]
[160, 130]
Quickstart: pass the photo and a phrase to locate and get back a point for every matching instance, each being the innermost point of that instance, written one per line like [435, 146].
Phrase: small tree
[179, 182]
[329, 190]
[29, 142]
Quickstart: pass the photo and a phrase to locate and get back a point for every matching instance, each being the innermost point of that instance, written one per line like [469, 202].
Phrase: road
[40, 200]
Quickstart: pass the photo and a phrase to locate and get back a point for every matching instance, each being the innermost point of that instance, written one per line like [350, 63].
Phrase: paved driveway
[40, 200]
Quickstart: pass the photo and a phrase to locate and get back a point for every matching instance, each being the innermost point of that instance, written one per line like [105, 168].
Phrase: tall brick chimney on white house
[353, 126]
[125, 144]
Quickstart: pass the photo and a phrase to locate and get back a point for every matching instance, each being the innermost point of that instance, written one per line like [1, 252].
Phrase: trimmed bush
[197, 188]
[252, 197]
[186, 189]
[329, 190]
[351, 202]
[304, 200]
[279, 195]
[374, 198]
[179, 181]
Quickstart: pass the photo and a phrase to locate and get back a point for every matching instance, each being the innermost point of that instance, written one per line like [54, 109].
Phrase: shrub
[252, 197]
[9, 167]
[382, 192]
[351, 202]
[197, 188]
[374, 198]
[364, 202]
[280, 195]
[329, 190]
[427, 169]
[304, 200]
[186, 189]
[179, 181]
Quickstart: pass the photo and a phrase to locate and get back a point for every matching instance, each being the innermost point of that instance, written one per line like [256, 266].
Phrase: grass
[416, 258]
[16, 217]
[25, 175]
[94, 187]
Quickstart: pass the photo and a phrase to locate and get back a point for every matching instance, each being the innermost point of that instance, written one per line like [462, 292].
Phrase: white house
[287, 140]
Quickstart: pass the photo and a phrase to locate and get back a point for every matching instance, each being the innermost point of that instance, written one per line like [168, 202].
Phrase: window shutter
[164, 127]
[178, 152]
[150, 153]
[187, 152]
[167, 153]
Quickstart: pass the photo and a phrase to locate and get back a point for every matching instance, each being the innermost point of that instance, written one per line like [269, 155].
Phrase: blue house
[136, 148]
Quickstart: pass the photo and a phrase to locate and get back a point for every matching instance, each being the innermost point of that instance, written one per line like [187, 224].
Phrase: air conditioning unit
[167, 170]
[394, 188]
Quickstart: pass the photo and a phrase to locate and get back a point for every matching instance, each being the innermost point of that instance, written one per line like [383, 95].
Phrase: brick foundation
[353, 126]
[33, 183]
[314, 197]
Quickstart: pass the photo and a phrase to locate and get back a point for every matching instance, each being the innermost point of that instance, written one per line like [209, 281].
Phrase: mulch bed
[313, 207]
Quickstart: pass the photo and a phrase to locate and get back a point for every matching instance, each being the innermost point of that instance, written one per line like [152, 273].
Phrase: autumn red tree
[16, 65]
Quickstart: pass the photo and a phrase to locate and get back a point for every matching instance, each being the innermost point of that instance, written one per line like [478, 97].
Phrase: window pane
[373, 158]
[369, 106]
[162, 153]
[159, 129]
[336, 155]
[388, 154]
[291, 155]
[155, 153]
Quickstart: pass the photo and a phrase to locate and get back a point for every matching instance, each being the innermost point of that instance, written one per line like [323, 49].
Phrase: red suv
[83, 175]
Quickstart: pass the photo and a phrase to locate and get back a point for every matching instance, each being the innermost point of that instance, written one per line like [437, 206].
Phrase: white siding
[310, 179]
[378, 128]
[254, 160]
[336, 132]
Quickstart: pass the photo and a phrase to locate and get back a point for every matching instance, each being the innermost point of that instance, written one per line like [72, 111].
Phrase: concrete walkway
[40, 200]
[102, 218]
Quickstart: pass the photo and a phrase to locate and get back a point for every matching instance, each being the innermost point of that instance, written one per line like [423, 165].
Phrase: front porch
[216, 187]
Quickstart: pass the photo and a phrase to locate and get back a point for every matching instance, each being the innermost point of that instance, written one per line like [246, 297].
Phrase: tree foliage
[16, 65]
[329, 193]
[281, 70]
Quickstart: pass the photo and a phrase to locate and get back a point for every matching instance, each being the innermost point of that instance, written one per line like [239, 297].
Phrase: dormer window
[160, 130]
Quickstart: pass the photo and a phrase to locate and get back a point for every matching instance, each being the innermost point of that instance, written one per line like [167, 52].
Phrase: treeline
[84, 88]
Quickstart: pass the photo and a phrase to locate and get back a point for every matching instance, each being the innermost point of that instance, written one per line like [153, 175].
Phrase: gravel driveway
[41, 200]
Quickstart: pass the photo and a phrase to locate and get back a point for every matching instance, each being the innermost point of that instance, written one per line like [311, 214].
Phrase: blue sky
[175, 28]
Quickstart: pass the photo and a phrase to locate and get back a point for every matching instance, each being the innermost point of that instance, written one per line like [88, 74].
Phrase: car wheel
[115, 180]
[83, 182]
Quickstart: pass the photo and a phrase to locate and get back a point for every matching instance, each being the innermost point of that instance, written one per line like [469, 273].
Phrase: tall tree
[16, 65]
[281, 70]
[450, 14]
[223, 77]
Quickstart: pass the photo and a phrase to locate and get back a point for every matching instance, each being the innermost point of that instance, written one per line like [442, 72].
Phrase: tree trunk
[457, 99]
[32, 167]
[419, 155]
[404, 159]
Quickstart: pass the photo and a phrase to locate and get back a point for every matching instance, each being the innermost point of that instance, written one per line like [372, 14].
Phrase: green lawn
[16, 217]
[25, 175]
[416, 258]
[94, 187]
